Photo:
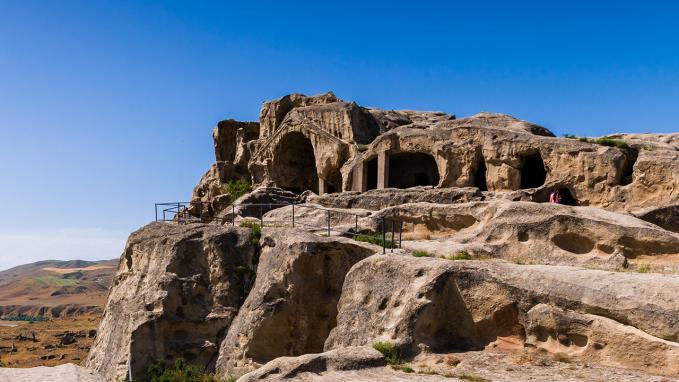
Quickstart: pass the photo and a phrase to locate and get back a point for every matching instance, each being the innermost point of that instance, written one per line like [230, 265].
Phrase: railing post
[156, 211]
[393, 228]
[384, 238]
[293, 215]
[400, 233]
[178, 215]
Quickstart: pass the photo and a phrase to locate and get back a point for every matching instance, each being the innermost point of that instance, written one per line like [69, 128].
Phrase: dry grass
[29, 353]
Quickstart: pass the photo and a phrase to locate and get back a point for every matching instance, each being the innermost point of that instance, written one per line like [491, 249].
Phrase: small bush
[460, 255]
[643, 268]
[374, 239]
[472, 378]
[403, 368]
[236, 189]
[422, 254]
[619, 143]
[181, 371]
[256, 230]
[389, 352]
[570, 136]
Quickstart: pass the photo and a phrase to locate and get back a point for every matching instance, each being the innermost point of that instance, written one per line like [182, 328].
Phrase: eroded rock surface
[293, 304]
[424, 304]
[326, 145]
[177, 289]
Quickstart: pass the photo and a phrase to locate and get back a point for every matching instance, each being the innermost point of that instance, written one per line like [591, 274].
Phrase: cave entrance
[371, 174]
[294, 166]
[334, 183]
[631, 156]
[412, 169]
[567, 197]
[479, 175]
[533, 172]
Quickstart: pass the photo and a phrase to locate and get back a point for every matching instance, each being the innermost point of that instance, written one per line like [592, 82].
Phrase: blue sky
[107, 106]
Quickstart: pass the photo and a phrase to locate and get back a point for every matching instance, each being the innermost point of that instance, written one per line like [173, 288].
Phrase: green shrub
[181, 371]
[389, 352]
[236, 189]
[460, 255]
[374, 239]
[403, 368]
[256, 230]
[422, 254]
[643, 268]
[570, 136]
[472, 378]
[619, 143]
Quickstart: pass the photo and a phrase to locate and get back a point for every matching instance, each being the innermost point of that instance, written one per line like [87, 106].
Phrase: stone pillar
[322, 186]
[383, 170]
[359, 178]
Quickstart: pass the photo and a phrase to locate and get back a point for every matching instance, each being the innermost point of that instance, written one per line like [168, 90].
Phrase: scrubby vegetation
[375, 239]
[422, 254]
[619, 143]
[256, 230]
[181, 371]
[460, 255]
[472, 378]
[236, 189]
[390, 353]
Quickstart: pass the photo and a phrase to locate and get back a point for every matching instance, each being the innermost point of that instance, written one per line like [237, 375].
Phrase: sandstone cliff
[487, 280]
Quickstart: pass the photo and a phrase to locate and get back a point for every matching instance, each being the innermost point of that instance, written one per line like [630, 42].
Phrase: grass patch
[181, 371]
[643, 268]
[472, 378]
[374, 239]
[389, 352]
[423, 254]
[460, 255]
[403, 368]
[256, 230]
[55, 281]
[236, 189]
[610, 142]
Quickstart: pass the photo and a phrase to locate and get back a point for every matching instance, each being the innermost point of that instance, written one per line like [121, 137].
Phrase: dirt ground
[57, 341]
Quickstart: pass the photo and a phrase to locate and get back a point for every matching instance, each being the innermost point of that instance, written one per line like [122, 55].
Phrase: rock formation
[487, 280]
[177, 289]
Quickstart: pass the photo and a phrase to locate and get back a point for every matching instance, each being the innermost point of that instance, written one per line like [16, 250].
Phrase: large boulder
[293, 303]
[535, 233]
[424, 304]
[177, 289]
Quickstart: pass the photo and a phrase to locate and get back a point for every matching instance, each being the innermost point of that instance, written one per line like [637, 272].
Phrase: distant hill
[55, 288]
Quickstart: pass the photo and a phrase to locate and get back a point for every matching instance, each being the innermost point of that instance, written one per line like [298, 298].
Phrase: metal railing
[389, 235]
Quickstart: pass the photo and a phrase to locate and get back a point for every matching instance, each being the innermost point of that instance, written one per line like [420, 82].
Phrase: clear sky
[107, 106]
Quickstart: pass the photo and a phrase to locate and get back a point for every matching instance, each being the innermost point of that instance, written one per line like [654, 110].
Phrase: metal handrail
[177, 212]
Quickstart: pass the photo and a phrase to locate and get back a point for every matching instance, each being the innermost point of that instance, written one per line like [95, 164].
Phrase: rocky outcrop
[600, 340]
[287, 368]
[379, 199]
[177, 289]
[323, 144]
[292, 306]
[666, 217]
[536, 233]
[423, 304]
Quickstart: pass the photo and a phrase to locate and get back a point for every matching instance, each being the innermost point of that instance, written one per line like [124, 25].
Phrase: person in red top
[555, 197]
